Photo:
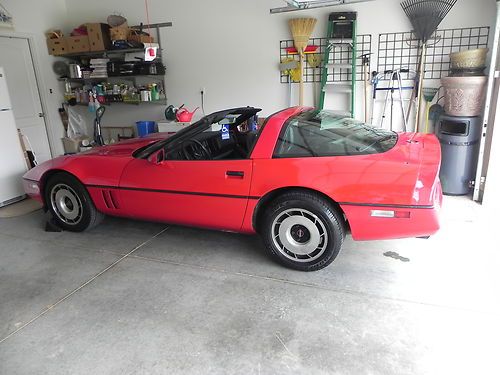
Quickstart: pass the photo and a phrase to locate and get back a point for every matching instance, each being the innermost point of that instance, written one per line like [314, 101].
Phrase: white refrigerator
[12, 162]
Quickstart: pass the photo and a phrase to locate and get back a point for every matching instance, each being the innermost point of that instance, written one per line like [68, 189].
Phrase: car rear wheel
[70, 203]
[303, 231]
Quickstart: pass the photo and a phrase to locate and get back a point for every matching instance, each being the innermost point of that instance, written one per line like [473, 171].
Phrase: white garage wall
[231, 47]
[33, 19]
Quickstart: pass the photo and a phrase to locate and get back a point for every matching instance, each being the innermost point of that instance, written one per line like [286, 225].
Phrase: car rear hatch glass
[324, 133]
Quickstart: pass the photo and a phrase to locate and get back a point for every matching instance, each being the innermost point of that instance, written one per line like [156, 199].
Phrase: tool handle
[301, 82]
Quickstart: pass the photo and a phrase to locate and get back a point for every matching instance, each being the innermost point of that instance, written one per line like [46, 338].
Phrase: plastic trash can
[145, 127]
[459, 138]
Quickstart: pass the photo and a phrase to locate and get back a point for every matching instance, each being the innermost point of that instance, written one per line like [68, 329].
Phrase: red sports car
[303, 180]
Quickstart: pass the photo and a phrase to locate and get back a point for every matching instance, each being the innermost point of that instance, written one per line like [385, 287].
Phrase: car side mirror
[158, 157]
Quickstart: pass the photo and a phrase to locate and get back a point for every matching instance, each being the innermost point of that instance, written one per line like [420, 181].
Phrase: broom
[301, 29]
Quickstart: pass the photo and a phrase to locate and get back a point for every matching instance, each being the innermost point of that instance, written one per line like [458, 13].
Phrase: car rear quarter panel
[358, 184]
[405, 176]
[387, 178]
[354, 179]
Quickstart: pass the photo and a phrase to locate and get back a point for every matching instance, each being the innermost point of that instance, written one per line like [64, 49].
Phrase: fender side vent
[109, 199]
[114, 201]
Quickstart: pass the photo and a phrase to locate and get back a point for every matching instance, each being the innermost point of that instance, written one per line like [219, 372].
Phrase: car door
[206, 193]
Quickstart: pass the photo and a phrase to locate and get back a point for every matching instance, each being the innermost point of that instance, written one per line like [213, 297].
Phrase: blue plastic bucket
[145, 127]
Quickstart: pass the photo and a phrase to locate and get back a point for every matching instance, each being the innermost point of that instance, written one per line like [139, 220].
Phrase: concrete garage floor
[189, 301]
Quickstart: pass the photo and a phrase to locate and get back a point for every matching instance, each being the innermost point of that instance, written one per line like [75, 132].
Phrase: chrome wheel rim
[299, 235]
[66, 204]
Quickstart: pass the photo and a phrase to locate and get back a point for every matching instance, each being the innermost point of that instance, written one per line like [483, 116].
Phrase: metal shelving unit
[153, 102]
[401, 49]
[107, 53]
[313, 74]
[125, 78]
[119, 54]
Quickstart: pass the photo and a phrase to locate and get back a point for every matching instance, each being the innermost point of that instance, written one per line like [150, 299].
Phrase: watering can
[183, 115]
[171, 111]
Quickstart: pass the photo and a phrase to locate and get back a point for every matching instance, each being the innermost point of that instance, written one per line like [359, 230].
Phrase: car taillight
[402, 214]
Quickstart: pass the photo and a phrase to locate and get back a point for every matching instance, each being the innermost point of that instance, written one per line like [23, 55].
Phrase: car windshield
[323, 133]
[212, 122]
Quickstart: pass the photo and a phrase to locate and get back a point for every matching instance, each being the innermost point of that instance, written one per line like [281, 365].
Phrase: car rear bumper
[390, 222]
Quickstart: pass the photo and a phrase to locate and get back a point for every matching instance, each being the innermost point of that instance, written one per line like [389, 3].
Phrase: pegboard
[402, 50]
[342, 53]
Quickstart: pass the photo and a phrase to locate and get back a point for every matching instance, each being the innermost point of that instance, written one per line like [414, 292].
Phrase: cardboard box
[99, 38]
[58, 46]
[141, 38]
[77, 44]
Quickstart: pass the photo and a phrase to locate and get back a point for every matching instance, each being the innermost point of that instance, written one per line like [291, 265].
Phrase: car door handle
[235, 174]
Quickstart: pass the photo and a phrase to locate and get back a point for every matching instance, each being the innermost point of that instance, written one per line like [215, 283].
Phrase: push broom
[301, 29]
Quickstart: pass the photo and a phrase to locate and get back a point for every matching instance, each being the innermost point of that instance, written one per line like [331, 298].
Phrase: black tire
[282, 222]
[63, 187]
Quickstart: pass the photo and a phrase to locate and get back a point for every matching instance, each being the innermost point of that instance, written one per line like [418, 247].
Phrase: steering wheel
[193, 149]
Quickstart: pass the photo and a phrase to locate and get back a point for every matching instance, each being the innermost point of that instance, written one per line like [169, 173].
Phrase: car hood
[89, 167]
[127, 147]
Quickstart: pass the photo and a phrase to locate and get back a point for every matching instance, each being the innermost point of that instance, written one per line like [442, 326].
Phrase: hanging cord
[203, 101]
[147, 20]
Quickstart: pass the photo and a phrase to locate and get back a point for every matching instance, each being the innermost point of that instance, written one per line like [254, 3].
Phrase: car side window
[322, 133]
[213, 145]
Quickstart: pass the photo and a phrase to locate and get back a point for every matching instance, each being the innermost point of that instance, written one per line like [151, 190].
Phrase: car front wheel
[70, 204]
[303, 231]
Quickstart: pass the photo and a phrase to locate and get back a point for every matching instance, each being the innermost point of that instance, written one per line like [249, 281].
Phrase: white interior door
[15, 58]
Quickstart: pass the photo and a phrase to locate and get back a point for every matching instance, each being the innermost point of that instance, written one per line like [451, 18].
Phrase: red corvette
[301, 182]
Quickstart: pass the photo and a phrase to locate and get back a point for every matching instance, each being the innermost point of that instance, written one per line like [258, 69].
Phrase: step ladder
[340, 58]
